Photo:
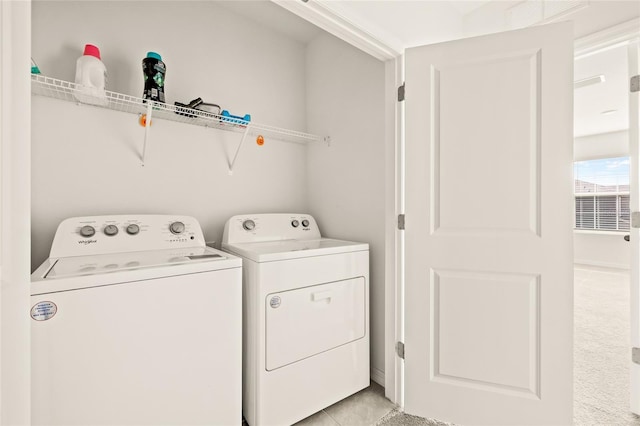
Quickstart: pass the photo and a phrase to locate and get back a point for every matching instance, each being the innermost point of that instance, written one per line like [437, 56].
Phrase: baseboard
[610, 265]
[377, 376]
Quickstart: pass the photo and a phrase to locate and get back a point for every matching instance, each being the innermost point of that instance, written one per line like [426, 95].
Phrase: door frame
[394, 312]
[633, 53]
[15, 212]
[394, 238]
[607, 38]
[329, 19]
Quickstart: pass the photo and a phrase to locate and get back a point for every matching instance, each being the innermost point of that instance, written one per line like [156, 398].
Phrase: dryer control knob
[295, 223]
[110, 230]
[133, 229]
[176, 228]
[87, 231]
[305, 223]
[249, 225]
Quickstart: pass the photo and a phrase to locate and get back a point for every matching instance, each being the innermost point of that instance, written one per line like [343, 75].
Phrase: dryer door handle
[321, 295]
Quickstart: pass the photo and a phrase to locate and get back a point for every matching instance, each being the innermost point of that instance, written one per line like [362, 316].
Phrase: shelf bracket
[147, 129]
[235, 157]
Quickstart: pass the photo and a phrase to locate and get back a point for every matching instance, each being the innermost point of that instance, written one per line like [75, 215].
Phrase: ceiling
[464, 7]
[268, 14]
[400, 24]
[418, 22]
[611, 95]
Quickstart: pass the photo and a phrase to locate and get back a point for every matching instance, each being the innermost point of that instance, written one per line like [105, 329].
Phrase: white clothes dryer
[306, 316]
[136, 322]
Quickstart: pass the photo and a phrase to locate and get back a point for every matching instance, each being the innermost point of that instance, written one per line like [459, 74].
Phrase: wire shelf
[67, 91]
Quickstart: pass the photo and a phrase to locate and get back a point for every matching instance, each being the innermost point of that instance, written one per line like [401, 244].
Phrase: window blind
[602, 194]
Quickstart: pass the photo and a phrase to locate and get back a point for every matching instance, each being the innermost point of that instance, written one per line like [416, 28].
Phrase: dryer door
[303, 322]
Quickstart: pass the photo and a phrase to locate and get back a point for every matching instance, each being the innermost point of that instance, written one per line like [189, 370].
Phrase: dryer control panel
[91, 235]
[252, 228]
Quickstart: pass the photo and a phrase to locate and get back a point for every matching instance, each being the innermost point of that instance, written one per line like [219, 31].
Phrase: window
[602, 194]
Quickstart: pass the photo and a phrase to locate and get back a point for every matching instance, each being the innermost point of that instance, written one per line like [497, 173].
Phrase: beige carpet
[602, 348]
[397, 418]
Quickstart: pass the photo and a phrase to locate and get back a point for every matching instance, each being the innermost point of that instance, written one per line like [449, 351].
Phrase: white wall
[602, 249]
[607, 249]
[615, 144]
[345, 99]
[86, 160]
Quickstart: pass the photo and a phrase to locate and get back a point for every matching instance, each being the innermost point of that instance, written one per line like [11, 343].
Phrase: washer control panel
[92, 235]
[270, 227]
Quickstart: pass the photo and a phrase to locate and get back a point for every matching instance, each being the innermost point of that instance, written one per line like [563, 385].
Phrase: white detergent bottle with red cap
[91, 77]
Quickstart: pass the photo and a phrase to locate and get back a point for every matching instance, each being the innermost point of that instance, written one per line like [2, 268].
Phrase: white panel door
[634, 151]
[489, 218]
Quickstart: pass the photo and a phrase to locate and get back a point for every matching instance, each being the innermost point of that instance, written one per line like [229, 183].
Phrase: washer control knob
[176, 228]
[249, 225]
[87, 231]
[295, 223]
[133, 229]
[305, 223]
[110, 230]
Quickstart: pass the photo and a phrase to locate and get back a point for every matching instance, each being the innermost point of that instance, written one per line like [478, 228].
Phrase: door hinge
[635, 219]
[401, 222]
[635, 355]
[401, 93]
[400, 349]
[635, 83]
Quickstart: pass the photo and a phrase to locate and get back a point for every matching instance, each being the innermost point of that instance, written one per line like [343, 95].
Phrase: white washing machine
[136, 322]
[306, 316]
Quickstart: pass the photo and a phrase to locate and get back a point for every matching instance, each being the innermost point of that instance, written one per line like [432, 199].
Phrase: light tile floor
[364, 408]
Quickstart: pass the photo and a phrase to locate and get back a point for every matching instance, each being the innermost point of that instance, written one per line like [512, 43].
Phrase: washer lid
[70, 273]
[269, 251]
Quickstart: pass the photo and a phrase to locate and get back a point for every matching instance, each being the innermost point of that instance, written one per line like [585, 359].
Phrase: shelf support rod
[235, 157]
[147, 129]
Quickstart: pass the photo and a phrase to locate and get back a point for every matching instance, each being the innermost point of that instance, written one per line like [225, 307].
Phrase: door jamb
[394, 238]
[15, 213]
[633, 51]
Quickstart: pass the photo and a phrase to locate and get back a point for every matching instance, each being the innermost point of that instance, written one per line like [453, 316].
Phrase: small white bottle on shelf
[91, 77]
